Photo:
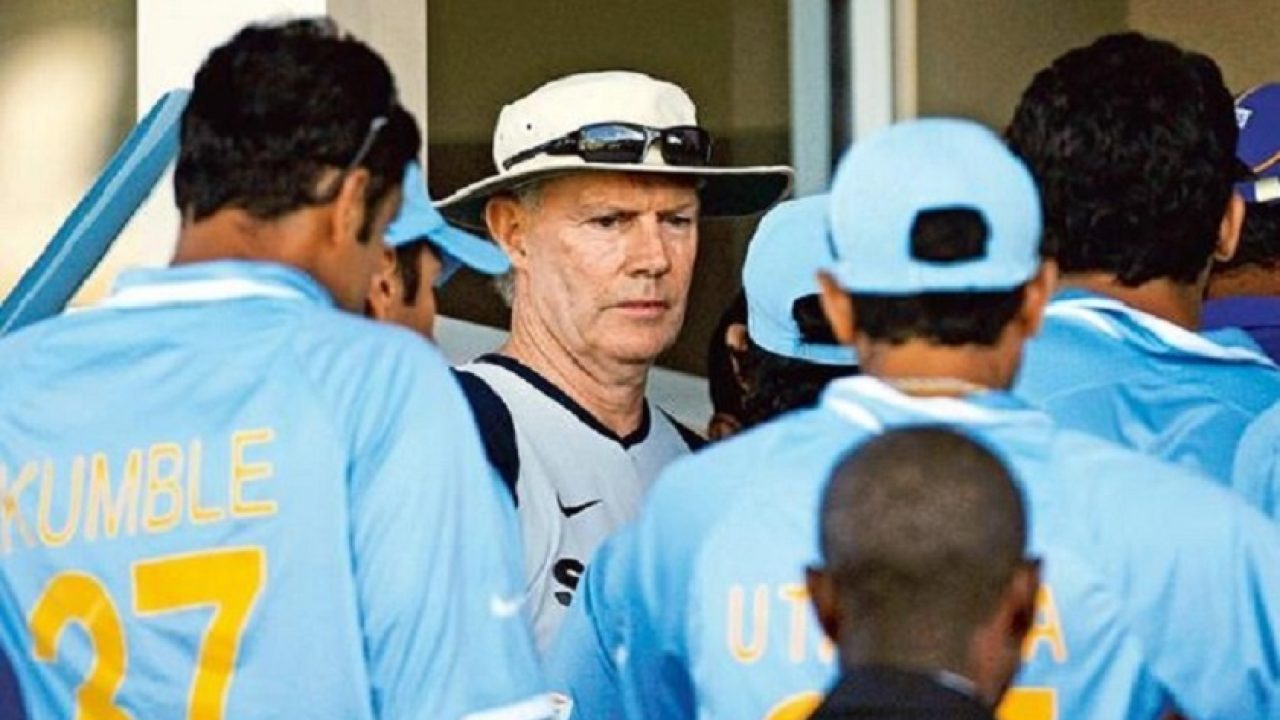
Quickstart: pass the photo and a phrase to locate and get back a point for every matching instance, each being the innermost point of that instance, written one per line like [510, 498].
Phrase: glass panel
[66, 102]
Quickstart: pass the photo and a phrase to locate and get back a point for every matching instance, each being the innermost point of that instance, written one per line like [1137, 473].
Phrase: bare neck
[920, 647]
[612, 392]
[987, 367]
[1179, 303]
[231, 234]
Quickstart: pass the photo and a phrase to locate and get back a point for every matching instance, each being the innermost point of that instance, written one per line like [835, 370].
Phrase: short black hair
[775, 383]
[942, 318]
[722, 381]
[1132, 143]
[278, 105]
[1259, 240]
[922, 527]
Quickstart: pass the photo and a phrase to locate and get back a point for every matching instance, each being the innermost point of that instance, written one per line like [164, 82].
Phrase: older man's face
[604, 261]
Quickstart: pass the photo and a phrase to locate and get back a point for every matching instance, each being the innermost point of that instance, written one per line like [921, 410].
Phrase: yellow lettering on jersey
[1029, 703]
[164, 475]
[49, 536]
[111, 510]
[743, 652]
[797, 707]
[798, 596]
[1047, 629]
[77, 598]
[11, 508]
[199, 514]
[243, 471]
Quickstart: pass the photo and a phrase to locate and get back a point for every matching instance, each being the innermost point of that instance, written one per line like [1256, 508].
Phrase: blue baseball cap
[419, 220]
[887, 182]
[784, 256]
[1258, 115]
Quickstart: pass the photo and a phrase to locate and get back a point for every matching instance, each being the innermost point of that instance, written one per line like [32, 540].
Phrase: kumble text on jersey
[149, 489]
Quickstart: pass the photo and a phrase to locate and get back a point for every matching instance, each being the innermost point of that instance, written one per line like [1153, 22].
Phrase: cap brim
[479, 255]
[725, 191]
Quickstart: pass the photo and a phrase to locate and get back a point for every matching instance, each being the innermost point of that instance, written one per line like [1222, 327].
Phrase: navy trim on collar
[884, 692]
[546, 387]
[497, 429]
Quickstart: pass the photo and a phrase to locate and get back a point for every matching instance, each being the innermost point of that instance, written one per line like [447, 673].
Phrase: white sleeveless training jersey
[575, 482]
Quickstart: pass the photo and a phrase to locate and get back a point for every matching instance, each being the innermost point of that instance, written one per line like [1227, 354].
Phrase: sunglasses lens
[686, 146]
[611, 143]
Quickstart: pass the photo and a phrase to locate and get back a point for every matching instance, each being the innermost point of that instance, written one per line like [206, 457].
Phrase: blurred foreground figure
[224, 494]
[924, 584]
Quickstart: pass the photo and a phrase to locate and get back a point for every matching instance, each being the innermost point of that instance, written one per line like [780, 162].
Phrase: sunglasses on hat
[625, 143]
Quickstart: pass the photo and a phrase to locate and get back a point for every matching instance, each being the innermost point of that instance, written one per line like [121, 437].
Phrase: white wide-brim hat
[562, 106]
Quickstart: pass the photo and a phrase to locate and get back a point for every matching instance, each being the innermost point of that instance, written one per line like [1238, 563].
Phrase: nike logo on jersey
[571, 510]
[502, 607]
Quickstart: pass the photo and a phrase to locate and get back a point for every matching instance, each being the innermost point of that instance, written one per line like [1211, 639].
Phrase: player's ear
[1229, 229]
[349, 206]
[508, 222]
[384, 288]
[1035, 297]
[735, 341]
[1020, 597]
[822, 593]
[838, 307]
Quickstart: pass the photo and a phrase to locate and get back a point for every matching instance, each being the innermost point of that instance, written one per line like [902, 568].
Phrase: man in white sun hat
[423, 252]
[601, 180]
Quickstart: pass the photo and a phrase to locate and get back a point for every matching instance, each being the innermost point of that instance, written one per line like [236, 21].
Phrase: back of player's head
[922, 527]
[278, 105]
[1132, 142]
[936, 231]
[791, 352]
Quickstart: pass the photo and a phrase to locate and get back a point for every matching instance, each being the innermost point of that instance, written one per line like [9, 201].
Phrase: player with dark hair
[1244, 292]
[423, 254]
[728, 338]
[925, 585]
[700, 609]
[1132, 143]
[245, 502]
[790, 354]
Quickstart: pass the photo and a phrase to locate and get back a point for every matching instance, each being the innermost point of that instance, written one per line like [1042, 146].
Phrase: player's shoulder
[374, 376]
[1266, 424]
[1063, 359]
[32, 352]
[326, 338]
[1176, 508]
[18, 346]
[800, 443]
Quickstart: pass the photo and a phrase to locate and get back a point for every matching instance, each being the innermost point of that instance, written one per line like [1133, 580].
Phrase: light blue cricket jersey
[223, 498]
[1109, 370]
[1160, 588]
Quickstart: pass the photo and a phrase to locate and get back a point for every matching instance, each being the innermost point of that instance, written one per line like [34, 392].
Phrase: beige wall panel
[397, 29]
[1240, 34]
[66, 100]
[976, 56]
